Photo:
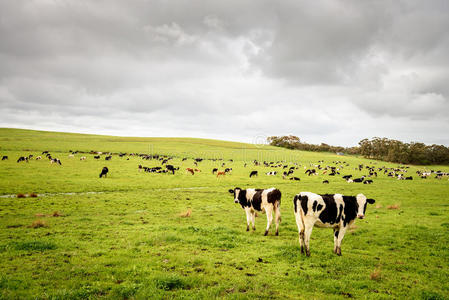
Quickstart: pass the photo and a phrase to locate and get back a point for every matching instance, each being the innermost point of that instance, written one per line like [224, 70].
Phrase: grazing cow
[83, 158]
[190, 170]
[228, 170]
[214, 170]
[310, 172]
[333, 211]
[4, 157]
[221, 173]
[39, 157]
[409, 178]
[325, 181]
[295, 178]
[271, 173]
[253, 200]
[71, 155]
[368, 181]
[22, 158]
[55, 161]
[171, 168]
[346, 177]
[97, 156]
[358, 179]
[109, 157]
[253, 173]
[104, 172]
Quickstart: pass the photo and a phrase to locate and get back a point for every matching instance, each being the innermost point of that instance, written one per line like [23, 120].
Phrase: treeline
[404, 153]
[376, 148]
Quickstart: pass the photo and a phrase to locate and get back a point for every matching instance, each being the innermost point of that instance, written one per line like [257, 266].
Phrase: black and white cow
[4, 157]
[253, 200]
[271, 173]
[333, 211]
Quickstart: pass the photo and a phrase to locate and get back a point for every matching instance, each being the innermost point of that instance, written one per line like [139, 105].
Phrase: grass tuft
[376, 275]
[186, 214]
[34, 246]
[394, 206]
[56, 214]
[38, 224]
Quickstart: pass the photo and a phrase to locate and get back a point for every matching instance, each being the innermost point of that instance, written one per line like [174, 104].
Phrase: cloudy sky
[326, 71]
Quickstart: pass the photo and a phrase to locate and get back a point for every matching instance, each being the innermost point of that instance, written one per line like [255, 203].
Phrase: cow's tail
[297, 204]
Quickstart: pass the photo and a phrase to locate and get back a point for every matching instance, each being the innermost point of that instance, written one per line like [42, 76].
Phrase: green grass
[123, 236]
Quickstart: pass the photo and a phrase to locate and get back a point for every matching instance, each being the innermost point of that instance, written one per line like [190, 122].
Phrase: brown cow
[221, 173]
[191, 171]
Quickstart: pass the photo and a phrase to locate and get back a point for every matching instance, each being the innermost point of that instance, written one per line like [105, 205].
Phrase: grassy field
[141, 235]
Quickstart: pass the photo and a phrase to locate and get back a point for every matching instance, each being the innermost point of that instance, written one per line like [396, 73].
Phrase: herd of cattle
[334, 211]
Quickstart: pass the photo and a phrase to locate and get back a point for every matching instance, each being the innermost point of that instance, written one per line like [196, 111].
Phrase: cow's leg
[336, 232]
[307, 233]
[248, 218]
[277, 217]
[269, 211]
[253, 219]
[300, 230]
[341, 234]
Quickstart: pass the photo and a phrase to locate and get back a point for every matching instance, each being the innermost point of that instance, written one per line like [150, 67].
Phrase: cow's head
[236, 193]
[361, 202]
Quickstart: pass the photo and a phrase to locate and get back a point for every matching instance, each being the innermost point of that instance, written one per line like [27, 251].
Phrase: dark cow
[4, 157]
[333, 211]
[368, 181]
[228, 170]
[171, 168]
[346, 177]
[253, 173]
[104, 172]
[295, 178]
[326, 181]
[358, 179]
[214, 170]
[97, 156]
[22, 158]
[253, 200]
[108, 157]
[310, 172]
[409, 178]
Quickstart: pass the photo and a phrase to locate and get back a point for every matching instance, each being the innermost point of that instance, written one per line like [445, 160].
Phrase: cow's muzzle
[236, 201]
[360, 216]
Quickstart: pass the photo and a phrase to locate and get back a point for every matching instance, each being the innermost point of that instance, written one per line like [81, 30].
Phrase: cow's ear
[231, 191]
[370, 201]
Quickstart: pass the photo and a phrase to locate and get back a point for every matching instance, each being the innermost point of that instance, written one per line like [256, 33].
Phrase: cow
[55, 161]
[326, 181]
[253, 200]
[104, 172]
[97, 156]
[295, 178]
[214, 170]
[228, 170]
[332, 211]
[39, 157]
[368, 181]
[253, 173]
[190, 170]
[358, 179]
[346, 177]
[108, 157]
[409, 178]
[221, 173]
[22, 158]
[4, 157]
[83, 158]
[171, 168]
[271, 173]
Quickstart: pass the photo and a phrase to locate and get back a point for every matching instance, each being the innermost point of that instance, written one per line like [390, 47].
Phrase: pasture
[144, 235]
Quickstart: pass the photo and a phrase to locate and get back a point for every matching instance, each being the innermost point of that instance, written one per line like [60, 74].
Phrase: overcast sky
[326, 71]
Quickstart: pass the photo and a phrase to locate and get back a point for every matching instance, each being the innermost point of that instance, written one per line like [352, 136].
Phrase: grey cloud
[227, 69]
